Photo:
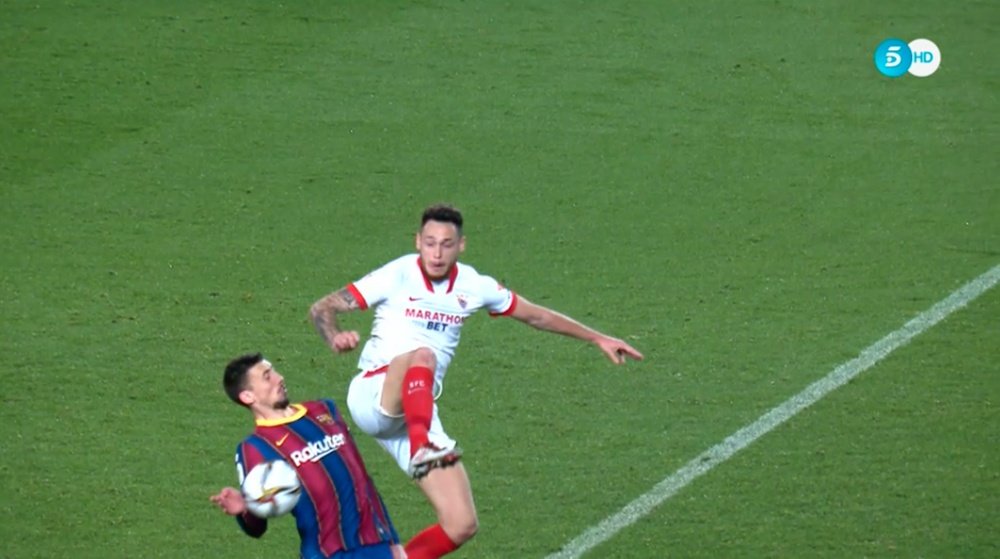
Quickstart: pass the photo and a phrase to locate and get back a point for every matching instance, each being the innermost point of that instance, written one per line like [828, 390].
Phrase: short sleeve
[497, 299]
[377, 286]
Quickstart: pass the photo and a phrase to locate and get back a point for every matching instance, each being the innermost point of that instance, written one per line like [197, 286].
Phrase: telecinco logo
[919, 57]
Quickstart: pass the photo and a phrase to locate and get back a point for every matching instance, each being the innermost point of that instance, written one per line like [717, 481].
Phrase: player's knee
[461, 530]
[423, 357]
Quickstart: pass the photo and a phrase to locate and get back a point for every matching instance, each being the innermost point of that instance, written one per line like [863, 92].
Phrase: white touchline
[739, 440]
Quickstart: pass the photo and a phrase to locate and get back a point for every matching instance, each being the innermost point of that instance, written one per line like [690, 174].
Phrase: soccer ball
[271, 489]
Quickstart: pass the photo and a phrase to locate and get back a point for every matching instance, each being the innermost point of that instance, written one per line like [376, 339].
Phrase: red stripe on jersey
[357, 295]
[318, 486]
[510, 309]
[371, 504]
[326, 503]
[251, 456]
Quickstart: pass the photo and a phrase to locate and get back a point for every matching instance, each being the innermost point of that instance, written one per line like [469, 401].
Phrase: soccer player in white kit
[420, 302]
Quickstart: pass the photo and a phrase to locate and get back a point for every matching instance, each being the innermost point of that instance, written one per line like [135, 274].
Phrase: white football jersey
[411, 311]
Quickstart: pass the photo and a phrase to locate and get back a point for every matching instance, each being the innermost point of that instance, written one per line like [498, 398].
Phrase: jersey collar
[300, 412]
[427, 281]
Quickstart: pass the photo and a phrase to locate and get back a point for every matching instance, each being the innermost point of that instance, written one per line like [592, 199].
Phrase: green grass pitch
[731, 186]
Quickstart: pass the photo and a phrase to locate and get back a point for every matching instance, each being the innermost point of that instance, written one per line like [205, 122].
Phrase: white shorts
[363, 401]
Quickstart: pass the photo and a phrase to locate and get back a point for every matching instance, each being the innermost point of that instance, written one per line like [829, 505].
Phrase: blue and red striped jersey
[340, 508]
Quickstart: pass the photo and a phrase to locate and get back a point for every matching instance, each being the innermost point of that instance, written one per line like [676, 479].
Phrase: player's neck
[271, 414]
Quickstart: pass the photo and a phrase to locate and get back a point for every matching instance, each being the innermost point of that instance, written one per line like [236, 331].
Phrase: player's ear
[416, 240]
[247, 398]
[461, 244]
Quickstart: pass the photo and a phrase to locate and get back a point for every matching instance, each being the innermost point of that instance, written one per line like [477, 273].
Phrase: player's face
[439, 245]
[267, 386]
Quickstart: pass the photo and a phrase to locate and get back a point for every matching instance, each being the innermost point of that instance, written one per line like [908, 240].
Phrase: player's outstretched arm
[551, 321]
[323, 315]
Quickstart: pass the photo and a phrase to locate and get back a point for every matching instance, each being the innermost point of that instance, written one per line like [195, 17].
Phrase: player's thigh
[398, 447]
[363, 401]
[392, 393]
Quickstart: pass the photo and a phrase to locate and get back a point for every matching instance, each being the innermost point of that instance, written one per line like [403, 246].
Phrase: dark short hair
[443, 213]
[234, 379]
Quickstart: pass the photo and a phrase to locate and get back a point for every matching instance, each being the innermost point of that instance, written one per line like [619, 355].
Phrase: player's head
[440, 240]
[251, 381]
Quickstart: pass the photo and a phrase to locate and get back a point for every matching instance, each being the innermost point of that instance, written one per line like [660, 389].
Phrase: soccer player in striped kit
[340, 514]
[421, 302]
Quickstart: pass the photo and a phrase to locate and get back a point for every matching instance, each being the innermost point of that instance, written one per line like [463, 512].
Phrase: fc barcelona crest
[325, 418]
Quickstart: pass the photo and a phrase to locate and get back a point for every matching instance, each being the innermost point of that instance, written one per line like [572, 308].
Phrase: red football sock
[432, 543]
[418, 404]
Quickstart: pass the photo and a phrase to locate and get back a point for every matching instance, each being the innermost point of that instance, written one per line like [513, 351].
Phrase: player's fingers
[631, 352]
[622, 350]
[613, 355]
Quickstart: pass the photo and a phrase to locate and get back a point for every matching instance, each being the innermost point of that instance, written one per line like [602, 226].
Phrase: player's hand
[345, 341]
[230, 501]
[617, 350]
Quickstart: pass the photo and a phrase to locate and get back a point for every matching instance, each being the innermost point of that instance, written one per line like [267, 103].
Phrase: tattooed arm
[324, 313]
[551, 321]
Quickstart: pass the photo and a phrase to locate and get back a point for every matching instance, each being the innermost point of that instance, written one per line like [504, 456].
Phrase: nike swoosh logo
[415, 298]
[282, 439]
